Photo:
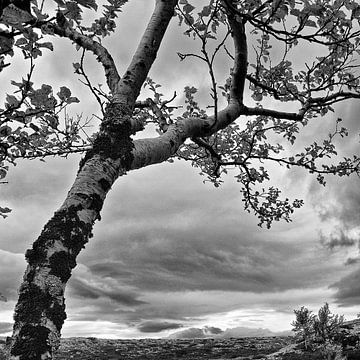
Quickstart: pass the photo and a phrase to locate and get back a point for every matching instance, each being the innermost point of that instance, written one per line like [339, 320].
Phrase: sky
[172, 253]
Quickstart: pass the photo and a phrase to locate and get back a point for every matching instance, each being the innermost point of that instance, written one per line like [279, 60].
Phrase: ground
[256, 348]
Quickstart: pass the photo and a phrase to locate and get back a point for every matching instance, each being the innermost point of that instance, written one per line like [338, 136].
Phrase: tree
[304, 326]
[327, 325]
[213, 140]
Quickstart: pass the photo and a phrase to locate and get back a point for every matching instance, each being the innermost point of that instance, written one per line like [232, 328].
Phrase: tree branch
[341, 95]
[102, 55]
[263, 86]
[273, 113]
[240, 59]
[130, 85]
[155, 150]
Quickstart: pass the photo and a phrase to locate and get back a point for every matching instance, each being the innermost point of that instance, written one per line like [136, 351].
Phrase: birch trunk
[40, 311]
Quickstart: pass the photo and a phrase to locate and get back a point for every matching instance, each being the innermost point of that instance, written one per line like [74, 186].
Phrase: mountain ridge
[217, 333]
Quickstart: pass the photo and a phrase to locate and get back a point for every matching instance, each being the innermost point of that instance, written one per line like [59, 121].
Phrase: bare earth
[168, 349]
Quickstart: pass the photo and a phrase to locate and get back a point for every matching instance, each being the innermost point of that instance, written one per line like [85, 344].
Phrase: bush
[323, 333]
[331, 351]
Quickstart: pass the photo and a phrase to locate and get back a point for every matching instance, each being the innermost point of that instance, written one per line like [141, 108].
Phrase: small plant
[331, 351]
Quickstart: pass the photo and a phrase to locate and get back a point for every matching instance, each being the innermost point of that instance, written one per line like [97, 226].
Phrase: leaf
[34, 127]
[206, 11]
[73, 11]
[6, 43]
[17, 84]
[42, 97]
[72, 99]
[188, 8]
[36, 52]
[2, 173]
[88, 4]
[53, 121]
[64, 93]
[5, 131]
[310, 23]
[77, 67]
[12, 100]
[189, 20]
[47, 45]
[201, 27]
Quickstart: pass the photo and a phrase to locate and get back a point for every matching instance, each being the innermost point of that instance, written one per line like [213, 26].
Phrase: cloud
[348, 289]
[154, 327]
[182, 251]
[12, 267]
[211, 258]
[5, 327]
[85, 285]
[194, 307]
[338, 208]
[338, 239]
[35, 190]
[352, 261]
[345, 205]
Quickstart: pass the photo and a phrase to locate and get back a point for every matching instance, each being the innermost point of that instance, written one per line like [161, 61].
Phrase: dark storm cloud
[155, 327]
[347, 206]
[5, 327]
[339, 209]
[348, 289]
[82, 289]
[183, 235]
[352, 261]
[162, 267]
[34, 192]
[213, 258]
[340, 199]
[339, 239]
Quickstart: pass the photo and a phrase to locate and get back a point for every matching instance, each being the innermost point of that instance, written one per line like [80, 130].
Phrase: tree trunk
[40, 311]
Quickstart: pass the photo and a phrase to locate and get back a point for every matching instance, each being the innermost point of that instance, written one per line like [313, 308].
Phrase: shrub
[323, 332]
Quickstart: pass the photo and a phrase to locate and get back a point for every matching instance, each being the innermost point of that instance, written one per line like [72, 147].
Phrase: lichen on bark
[114, 139]
[41, 297]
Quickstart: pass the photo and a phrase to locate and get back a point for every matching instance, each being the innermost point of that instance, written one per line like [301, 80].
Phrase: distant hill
[238, 332]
